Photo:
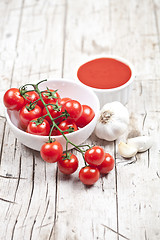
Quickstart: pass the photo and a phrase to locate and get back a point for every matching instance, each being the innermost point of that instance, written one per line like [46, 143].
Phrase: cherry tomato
[54, 132]
[55, 112]
[68, 165]
[64, 100]
[25, 115]
[66, 124]
[31, 97]
[51, 152]
[74, 108]
[86, 116]
[13, 100]
[48, 95]
[94, 156]
[89, 175]
[38, 127]
[107, 165]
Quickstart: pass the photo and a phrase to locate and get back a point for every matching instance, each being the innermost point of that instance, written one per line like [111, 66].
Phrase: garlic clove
[126, 150]
[142, 143]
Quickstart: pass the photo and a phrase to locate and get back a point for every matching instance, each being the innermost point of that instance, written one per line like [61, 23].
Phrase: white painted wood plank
[138, 197]
[82, 211]
[10, 17]
[138, 204]
[84, 214]
[40, 47]
[32, 183]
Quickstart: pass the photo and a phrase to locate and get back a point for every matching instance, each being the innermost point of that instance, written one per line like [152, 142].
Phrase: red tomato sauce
[104, 73]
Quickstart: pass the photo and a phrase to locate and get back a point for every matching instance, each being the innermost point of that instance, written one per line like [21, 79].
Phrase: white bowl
[121, 93]
[66, 88]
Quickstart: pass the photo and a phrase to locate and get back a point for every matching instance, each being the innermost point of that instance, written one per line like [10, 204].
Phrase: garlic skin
[142, 143]
[112, 122]
[126, 151]
[134, 145]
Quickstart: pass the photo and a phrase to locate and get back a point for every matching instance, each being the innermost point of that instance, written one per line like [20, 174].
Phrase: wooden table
[48, 39]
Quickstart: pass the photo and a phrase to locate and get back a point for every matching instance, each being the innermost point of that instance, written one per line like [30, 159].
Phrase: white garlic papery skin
[112, 122]
[142, 143]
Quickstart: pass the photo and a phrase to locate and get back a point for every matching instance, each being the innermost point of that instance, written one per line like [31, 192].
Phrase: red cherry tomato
[54, 132]
[13, 100]
[25, 115]
[107, 165]
[55, 112]
[66, 124]
[38, 127]
[64, 100]
[68, 165]
[94, 156]
[86, 116]
[51, 152]
[89, 175]
[74, 108]
[49, 95]
[31, 97]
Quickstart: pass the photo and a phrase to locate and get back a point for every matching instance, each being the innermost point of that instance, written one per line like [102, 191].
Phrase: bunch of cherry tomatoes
[45, 113]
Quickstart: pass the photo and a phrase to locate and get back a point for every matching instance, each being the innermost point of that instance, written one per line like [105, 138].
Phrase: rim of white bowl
[59, 136]
[116, 57]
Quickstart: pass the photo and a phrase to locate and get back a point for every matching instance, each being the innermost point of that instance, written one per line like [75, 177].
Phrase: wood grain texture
[50, 39]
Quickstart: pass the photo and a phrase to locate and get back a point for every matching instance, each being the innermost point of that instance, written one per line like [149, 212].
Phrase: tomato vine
[26, 100]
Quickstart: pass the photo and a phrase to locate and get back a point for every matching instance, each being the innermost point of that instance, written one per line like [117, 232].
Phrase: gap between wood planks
[116, 185]
[119, 234]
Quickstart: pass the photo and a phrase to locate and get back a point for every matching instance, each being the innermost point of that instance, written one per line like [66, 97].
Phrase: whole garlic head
[112, 122]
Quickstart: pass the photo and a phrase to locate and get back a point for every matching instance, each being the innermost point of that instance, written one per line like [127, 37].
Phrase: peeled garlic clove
[142, 143]
[126, 150]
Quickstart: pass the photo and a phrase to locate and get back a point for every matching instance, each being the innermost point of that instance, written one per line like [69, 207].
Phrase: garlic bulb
[112, 122]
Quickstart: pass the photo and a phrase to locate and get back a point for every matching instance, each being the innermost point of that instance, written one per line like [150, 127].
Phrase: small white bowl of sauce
[110, 77]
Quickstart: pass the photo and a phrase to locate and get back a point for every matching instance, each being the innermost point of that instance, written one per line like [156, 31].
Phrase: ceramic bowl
[121, 93]
[66, 88]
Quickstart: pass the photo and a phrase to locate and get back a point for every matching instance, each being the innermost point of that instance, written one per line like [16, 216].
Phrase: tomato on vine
[55, 111]
[28, 113]
[64, 100]
[31, 96]
[38, 126]
[74, 108]
[51, 152]
[44, 113]
[94, 156]
[86, 116]
[89, 175]
[67, 126]
[48, 95]
[107, 165]
[68, 163]
[13, 100]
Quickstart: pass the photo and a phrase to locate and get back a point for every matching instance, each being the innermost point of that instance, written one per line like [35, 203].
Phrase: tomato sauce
[104, 73]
